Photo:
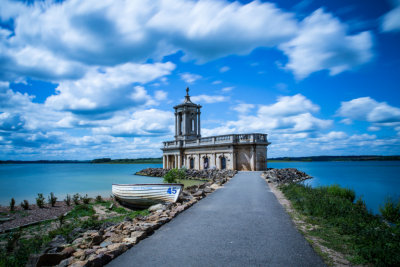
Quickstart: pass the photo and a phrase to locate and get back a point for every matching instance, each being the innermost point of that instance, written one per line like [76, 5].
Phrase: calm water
[373, 180]
[24, 181]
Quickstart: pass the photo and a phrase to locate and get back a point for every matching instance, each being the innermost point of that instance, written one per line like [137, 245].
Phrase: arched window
[223, 163]
[206, 165]
[191, 163]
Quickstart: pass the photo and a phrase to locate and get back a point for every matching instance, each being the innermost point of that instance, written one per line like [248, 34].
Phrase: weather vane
[187, 90]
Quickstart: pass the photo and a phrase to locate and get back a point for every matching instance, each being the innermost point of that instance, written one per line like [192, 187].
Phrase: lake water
[373, 180]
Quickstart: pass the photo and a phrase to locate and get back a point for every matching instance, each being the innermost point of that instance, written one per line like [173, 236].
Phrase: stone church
[243, 152]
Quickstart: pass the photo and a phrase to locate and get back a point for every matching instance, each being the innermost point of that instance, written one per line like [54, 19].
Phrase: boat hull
[146, 195]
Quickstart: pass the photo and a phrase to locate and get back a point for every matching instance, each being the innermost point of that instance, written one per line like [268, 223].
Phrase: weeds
[25, 204]
[40, 200]
[346, 224]
[76, 198]
[391, 210]
[52, 199]
[67, 200]
[12, 204]
[173, 175]
[85, 199]
[99, 199]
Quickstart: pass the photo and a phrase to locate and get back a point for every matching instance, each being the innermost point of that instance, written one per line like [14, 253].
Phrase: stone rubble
[98, 247]
[208, 174]
[284, 176]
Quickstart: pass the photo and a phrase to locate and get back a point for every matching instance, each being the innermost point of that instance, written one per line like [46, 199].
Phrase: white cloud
[368, 109]
[217, 82]
[209, 99]
[289, 105]
[227, 89]
[391, 20]
[373, 129]
[224, 69]
[108, 89]
[289, 115]
[243, 107]
[322, 43]
[190, 77]
[151, 122]
[160, 95]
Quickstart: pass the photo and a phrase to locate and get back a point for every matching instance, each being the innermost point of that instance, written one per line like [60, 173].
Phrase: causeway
[241, 224]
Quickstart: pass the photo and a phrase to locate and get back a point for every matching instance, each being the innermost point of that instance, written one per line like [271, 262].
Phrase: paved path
[241, 224]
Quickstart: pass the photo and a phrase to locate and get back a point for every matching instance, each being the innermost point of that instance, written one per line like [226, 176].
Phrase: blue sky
[89, 79]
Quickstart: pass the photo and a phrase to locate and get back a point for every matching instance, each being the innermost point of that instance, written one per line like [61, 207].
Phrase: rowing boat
[145, 195]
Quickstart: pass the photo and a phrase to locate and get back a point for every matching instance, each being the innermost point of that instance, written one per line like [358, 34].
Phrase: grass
[18, 248]
[346, 226]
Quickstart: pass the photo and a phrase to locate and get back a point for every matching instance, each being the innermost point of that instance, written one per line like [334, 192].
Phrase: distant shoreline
[159, 160]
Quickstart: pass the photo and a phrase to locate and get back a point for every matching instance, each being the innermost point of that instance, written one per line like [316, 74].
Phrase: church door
[223, 163]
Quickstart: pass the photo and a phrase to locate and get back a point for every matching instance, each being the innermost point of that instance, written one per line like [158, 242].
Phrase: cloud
[227, 89]
[151, 122]
[288, 115]
[60, 40]
[190, 77]
[224, 69]
[368, 109]
[209, 99]
[160, 95]
[106, 90]
[391, 20]
[322, 43]
[243, 108]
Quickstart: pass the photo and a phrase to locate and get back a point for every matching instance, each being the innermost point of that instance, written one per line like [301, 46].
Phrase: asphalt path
[241, 224]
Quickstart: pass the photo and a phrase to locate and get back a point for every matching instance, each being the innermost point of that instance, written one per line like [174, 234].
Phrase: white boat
[145, 195]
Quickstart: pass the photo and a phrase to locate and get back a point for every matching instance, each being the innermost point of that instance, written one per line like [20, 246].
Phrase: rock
[215, 186]
[207, 190]
[50, 259]
[79, 253]
[199, 193]
[139, 235]
[127, 219]
[96, 239]
[130, 240]
[58, 243]
[66, 262]
[163, 220]
[78, 241]
[105, 244]
[111, 206]
[116, 249]
[68, 251]
[157, 207]
[79, 264]
[98, 260]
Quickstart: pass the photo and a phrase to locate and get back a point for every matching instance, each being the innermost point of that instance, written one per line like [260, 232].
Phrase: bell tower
[187, 119]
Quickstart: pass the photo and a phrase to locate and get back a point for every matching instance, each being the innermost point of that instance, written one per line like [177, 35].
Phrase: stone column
[199, 161]
[198, 122]
[215, 160]
[176, 125]
[234, 159]
[167, 162]
[179, 162]
[253, 156]
[163, 162]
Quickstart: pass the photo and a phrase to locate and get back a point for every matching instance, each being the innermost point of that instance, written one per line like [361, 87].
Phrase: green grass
[345, 225]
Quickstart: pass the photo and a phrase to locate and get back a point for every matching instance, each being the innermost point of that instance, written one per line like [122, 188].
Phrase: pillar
[253, 157]
[167, 161]
[163, 162]
[176, 125]
[198, 122]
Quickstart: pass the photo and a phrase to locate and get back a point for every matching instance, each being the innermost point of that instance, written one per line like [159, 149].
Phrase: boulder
[157, 207]
[50, 259]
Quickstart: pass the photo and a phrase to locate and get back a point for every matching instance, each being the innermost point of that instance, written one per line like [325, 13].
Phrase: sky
[85, 79]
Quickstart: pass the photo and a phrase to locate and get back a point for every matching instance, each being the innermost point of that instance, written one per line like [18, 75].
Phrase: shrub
[68, 200]
[40, 200]
[25, 204]
[391, 210]
[173, 175]
[99, 199]
[12, 204]
[76, 198]
[85, 199]
[52, 199]
[336, 190]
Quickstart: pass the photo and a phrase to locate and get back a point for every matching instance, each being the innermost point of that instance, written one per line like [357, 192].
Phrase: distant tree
[102, 160]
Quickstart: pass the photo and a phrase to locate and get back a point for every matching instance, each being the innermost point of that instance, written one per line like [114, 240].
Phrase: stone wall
[285, 176]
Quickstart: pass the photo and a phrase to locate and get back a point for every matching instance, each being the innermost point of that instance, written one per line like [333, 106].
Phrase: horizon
[80, 78]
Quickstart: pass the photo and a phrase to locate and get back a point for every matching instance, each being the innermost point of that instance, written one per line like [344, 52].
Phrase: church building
[242, 152]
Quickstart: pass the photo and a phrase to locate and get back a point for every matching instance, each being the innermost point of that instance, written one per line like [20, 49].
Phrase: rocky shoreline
[97, 247]
[284, 176]
[191, 174]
